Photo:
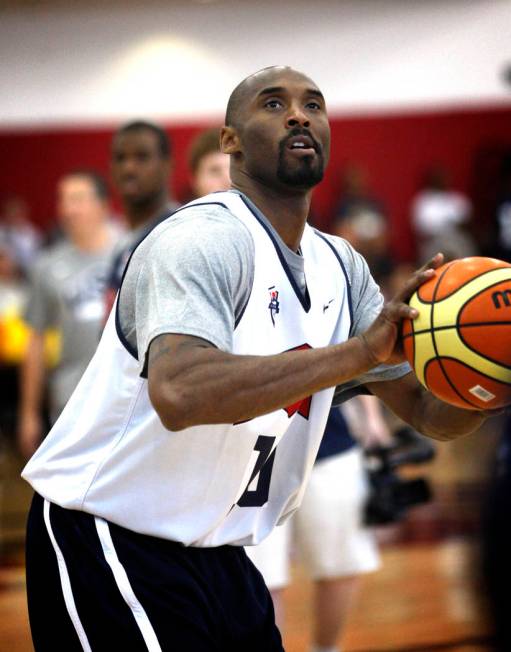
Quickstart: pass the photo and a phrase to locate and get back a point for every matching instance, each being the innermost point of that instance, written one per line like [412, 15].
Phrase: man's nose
[128, 165]
[297, 117]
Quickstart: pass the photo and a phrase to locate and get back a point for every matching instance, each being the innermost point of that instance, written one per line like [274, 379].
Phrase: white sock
[333, 648]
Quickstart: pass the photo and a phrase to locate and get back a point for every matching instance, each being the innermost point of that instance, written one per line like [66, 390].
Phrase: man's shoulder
[199, 222]
[352, 261]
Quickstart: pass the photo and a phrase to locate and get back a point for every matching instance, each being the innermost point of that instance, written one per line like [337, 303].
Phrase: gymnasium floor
[427, 596]
[421, 599]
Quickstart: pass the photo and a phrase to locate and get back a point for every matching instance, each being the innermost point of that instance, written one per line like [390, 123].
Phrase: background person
[440, 218]
[208, 165]
[360, 218]
[67, 284]
[141, 165]
[17, 233]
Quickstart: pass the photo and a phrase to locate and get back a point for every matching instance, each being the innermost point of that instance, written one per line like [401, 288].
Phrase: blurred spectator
[18, 233]
[209, 167]
[361, 220]
[501, 247]
[13, 295]
[13, 336]
[66, 292]
[440, 217]
[141, 166]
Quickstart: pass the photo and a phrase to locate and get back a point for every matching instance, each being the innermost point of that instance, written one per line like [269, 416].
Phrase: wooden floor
[423, 597]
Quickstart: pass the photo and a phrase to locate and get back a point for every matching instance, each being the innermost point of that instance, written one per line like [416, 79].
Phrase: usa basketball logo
[274, 305]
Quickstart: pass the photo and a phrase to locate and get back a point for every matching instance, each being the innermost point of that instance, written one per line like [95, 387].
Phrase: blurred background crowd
[109, 121]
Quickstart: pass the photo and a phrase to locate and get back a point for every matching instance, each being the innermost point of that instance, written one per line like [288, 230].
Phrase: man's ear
[229, 141]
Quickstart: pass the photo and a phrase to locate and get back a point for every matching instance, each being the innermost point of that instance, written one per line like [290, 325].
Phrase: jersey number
[263, 468]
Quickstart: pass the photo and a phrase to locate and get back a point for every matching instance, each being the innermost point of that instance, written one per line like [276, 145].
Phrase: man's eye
[273, 104]
[314, 105]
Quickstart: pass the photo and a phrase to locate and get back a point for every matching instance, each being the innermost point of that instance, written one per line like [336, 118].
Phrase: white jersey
[109, 454]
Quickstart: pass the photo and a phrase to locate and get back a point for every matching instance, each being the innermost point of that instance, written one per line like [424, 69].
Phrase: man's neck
[92, 241]
[137, 216]
[286, 211]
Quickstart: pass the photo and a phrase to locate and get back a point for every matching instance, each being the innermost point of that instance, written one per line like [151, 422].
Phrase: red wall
[395, 149]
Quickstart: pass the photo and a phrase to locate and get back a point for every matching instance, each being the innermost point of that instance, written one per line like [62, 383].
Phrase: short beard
[306, 175]
[145, 201]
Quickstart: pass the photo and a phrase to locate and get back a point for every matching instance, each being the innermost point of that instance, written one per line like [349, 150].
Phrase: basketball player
[194, 429]
[141, 164]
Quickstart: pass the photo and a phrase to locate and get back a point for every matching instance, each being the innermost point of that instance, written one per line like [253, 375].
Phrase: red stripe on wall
[395, 150]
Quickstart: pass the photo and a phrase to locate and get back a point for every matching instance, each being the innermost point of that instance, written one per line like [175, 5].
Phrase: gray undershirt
[193, 275]
[67, 288]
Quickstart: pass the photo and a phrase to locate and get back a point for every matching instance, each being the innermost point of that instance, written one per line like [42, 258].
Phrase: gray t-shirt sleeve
[367, 302]
[192, 276]
[42, 305]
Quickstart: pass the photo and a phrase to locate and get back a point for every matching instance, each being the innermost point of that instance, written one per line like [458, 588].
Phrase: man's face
[78, 206]
[212, 174]
[285, 135]
[139, 170]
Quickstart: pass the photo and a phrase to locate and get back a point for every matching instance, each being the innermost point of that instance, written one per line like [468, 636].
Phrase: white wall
[180, 60]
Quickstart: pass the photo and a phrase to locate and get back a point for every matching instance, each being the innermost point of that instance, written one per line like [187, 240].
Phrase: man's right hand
[382, 338]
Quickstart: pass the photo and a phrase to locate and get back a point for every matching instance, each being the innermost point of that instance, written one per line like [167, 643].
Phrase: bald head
[250, 85]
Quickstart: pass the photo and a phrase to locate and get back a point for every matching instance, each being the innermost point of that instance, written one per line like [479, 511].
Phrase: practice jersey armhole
[124, 341]
[348, 284]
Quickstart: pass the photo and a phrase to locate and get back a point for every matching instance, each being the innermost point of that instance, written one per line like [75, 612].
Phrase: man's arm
[32, 376]
[193, 383]
[40, 314]
[407, 398]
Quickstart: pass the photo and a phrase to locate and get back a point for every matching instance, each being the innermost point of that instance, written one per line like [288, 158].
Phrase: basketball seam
[474, 296]
[445, 328]
[459, 326]
[480, 373]
[437, 357]
[488, 271]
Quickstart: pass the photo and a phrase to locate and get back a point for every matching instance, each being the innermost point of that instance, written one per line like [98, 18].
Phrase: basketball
[460, 344]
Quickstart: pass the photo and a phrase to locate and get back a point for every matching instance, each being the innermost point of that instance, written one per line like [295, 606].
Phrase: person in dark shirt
[141, 162]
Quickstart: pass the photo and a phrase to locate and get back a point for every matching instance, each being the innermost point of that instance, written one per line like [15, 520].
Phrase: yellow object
[14, 336]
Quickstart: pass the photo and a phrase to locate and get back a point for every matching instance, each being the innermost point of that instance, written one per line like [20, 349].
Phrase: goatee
[308, 170]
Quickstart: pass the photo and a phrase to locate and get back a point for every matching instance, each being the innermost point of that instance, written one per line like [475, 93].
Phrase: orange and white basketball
[460, 344]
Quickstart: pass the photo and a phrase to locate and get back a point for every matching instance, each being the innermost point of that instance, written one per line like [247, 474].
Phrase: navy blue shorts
[93, 585]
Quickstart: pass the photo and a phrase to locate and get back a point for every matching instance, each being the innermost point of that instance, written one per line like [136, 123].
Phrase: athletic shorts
[326, 534]
[98, 587]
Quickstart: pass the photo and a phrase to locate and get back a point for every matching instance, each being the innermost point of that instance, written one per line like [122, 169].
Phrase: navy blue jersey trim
[130, 349]
[206, 203]
[339, 259]
[303, 298]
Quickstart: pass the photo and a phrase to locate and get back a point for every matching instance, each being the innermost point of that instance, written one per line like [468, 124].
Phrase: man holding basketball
[194, 429]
